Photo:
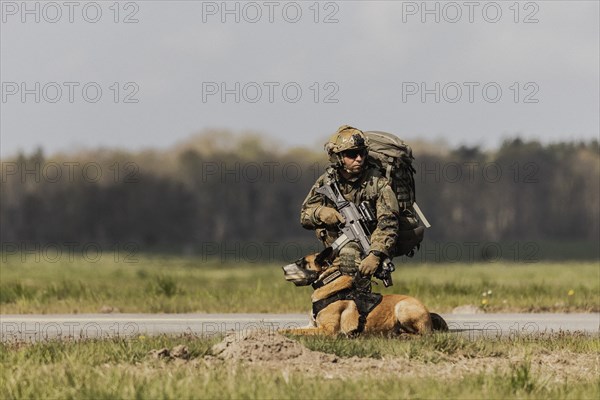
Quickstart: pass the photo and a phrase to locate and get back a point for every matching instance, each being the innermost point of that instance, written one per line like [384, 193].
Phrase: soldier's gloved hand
[330, 216]
[369, 265]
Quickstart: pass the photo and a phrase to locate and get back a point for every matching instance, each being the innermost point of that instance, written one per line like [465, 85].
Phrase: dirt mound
[274, 353]
[271, 350]
[258, 345]
[180, 352]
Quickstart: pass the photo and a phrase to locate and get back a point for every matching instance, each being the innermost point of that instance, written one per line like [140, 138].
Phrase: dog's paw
[353, 334]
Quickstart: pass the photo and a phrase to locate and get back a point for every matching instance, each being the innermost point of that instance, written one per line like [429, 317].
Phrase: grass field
[180, 285]
[440, 366]
[548, 366]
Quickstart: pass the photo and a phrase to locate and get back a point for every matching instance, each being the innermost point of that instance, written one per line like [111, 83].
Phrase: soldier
[358, 181]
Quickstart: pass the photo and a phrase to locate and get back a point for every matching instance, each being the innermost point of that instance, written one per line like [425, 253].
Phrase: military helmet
[346, 138]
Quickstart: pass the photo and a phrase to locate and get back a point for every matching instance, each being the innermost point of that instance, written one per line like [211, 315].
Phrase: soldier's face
[354, 160]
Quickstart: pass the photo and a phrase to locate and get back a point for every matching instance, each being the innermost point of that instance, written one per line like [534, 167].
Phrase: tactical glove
[330, 216]
[369, 265]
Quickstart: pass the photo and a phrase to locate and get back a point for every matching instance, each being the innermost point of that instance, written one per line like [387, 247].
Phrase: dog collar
[327, 280]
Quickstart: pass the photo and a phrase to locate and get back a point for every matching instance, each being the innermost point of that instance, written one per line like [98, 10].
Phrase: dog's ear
[324, 257]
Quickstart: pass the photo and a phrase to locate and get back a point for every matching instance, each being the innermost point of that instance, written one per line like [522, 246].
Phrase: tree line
[220, 188]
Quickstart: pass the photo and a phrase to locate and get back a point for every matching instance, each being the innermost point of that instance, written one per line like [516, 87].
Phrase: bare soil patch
[274, 351]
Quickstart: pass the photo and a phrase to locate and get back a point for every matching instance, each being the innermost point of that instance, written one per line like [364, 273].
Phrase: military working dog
[339, 308]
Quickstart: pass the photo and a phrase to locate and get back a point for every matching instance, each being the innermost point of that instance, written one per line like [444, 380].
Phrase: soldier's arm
[385, 234]
[310, 206]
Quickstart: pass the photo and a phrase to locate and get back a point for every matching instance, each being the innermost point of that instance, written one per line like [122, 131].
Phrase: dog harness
[327, 280]
[365, 303]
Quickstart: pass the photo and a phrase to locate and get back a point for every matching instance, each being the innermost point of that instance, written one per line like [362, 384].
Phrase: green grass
[442, 346]
[180, 285]
[239, 382]
[122, 368]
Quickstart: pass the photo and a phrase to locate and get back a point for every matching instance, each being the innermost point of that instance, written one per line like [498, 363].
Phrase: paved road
[82, 326]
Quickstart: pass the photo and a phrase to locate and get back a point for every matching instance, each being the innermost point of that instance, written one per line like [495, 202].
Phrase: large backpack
[394, 159]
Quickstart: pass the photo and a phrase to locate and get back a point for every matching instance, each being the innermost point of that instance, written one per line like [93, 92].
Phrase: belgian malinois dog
[394, 313]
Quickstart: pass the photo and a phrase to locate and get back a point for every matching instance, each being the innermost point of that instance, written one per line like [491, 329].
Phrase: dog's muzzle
[298, 275]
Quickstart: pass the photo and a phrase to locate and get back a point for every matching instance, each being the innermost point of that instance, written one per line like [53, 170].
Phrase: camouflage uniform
[369, 186]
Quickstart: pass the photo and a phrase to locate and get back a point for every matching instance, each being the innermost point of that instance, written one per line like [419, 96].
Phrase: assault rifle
[356, 228]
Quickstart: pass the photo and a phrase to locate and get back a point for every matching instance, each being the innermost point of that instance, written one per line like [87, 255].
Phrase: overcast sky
[296, 71]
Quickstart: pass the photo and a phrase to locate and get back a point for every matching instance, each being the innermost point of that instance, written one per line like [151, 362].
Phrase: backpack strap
[372, 184]
[388, 170]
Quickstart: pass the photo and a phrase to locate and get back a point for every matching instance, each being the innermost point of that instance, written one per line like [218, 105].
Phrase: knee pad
[349, 259]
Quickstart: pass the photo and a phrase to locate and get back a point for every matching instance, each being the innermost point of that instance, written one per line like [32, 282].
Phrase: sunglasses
[355, 153]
